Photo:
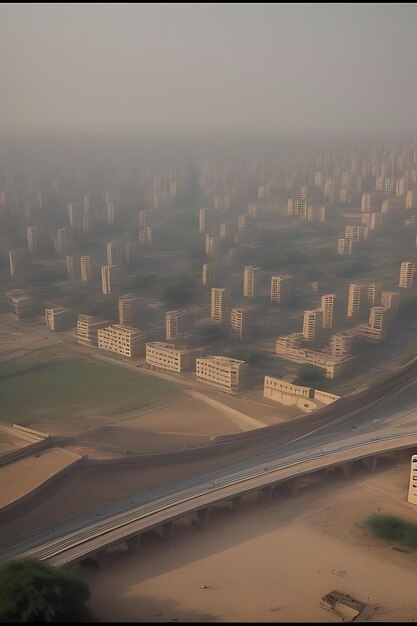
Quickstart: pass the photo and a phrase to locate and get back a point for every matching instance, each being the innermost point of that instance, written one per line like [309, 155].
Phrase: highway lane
[193, 488]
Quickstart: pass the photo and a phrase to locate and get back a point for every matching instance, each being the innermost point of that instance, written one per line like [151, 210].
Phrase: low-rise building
[221, 372]
[87, 328]
[59, 318]
[305, 398]
[123, 340]
[21, 303]
[165, 356]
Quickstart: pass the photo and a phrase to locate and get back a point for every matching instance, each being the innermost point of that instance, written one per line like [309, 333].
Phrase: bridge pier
[236, 502]
[168, 530]
[346, 469]
[371, 464]
[266, 494]
[203, 517]
[133, 544]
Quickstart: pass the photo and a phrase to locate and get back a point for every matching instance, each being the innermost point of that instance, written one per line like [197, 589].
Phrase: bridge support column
[133, 544]
[266, 494]
[100, 557]
[371, 464]
[167, 531]
[347, 469]
[294, 485]
[236, 502]
[203, 517]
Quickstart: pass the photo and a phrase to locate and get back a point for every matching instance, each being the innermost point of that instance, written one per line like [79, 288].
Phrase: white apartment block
[220, 304]
[345, 247]
[226, 374]
[281, 288]
[86, 269]
[175, 323]
[110, 279]
[356, 233]
[355, 299]
[407, 271]
[327, 306]
[333, 366]
[115, 253]
[129, 309]
[312, 324]
[208, 276]
[165, 356]
[87, 327]
[305, 398]
[212, 244]
[251, 276]
[123, 340]
[241, 319]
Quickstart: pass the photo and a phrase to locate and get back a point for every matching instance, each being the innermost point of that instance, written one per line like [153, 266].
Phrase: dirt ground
[269, 562]
[23, 475]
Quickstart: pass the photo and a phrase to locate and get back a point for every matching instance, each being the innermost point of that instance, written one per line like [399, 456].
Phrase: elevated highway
[160, 513]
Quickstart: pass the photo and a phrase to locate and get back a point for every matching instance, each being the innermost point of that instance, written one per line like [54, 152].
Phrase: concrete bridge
[296, 470]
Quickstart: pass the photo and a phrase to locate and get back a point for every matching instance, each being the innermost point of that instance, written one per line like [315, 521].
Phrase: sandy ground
[10, 442]
[22, 476]
[17, 339]
[269, 562]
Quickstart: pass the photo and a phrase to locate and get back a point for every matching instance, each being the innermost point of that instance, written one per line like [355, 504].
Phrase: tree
[308, 373]
[33, 591]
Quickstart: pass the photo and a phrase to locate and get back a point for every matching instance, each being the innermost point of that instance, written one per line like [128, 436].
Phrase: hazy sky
[232, 68]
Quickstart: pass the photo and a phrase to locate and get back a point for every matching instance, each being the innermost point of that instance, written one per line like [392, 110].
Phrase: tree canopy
[33, 591]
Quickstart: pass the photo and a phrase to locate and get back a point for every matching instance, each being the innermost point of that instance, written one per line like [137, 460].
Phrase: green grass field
[45, 384]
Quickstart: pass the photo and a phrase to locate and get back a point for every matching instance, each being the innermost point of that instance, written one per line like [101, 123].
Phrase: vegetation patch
[393, 529]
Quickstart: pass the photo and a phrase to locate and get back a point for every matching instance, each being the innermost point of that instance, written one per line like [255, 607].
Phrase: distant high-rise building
[132, 252]
[390, 300]
[36, 237]
[19, 260]
[281, 288]
[374, 294]
[407, 271]
[345, 247]
[327, 306]
[110, 279]
[205, 220]
[312, 324]
[129, 310]
[209, 274]
[220, 304]
[356, 233]
[175, 323]
[355, 300]
[366, 203]
[115, 253]
[212, 244]
[241, 319]
[76, 214]
[86, 269]
[111, 212]
[63, 241]
[73, 266]
[146, 235]
[251, 277]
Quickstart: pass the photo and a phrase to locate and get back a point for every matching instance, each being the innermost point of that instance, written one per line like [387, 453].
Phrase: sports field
[46, 385]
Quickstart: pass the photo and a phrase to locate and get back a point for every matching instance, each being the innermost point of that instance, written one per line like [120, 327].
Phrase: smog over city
[208, 304]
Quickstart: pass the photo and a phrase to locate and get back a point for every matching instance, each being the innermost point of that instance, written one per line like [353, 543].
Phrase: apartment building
[220, 304]
[87, 329]
[110, 279]
[223, 373]
[356, 300]
[241, 319]
[251, 278]
[123, 340]
[342, 343]
[208, 277]
[63, 241]
[165, 356]
[212, 244]
[312, 325]
[205, 222]
[73, 262]
[374, 294]
[390, 300]
[19, 261]
[356, 233]
[333, 366]
[132, 252]
[21, 304]
[305, 398]
[129, 310]
[327, 306]
[115, 253]
[146, 235]
[59, 318]
[175, 322]
[345, 247]
[281, 289]
[407, 271]
[86, 269]
[36, 238]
